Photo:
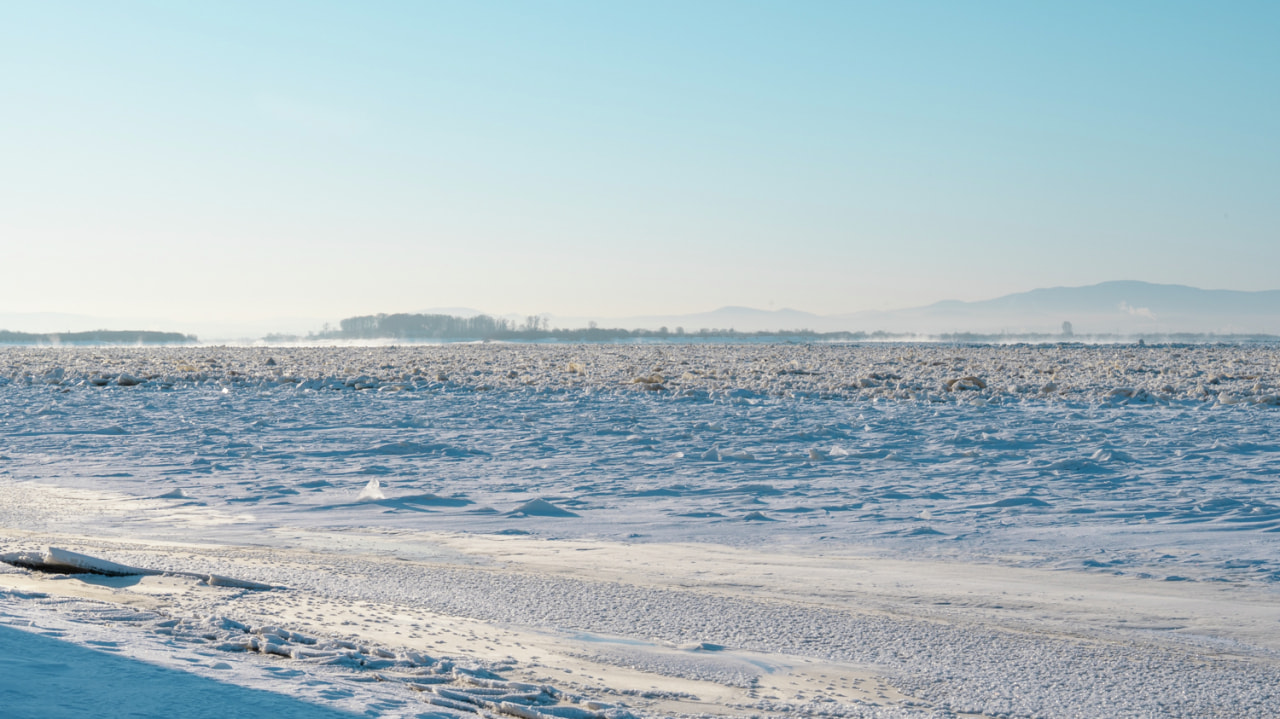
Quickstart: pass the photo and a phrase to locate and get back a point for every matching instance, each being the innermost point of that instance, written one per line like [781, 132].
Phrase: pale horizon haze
[237, 162]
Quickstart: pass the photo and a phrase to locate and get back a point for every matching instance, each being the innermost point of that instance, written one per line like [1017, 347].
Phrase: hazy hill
[1121, 307]
[1110, 307]
[44, 323]
[742, 319]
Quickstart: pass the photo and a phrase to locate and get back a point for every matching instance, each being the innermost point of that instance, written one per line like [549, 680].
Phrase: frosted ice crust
[1110, 374]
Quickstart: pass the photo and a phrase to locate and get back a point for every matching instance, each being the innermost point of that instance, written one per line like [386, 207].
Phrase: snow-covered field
[646, 530]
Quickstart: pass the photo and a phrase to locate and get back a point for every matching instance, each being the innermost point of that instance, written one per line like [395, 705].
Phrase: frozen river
[1141, 464]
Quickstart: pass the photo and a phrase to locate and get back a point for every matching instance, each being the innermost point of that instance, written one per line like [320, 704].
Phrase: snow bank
[62, 561]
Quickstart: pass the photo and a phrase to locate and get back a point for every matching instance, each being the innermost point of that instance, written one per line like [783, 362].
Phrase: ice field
[658, 529]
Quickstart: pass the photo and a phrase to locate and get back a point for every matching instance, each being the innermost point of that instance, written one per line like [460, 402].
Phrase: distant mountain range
[1109, 308]
[1121, 307]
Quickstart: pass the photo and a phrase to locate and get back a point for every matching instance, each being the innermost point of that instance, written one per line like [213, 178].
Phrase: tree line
[438, 327]
[484, 327]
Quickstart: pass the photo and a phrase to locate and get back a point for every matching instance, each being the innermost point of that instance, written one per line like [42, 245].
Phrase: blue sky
[242, 160]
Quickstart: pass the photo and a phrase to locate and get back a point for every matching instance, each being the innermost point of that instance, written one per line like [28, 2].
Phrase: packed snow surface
[441, 484]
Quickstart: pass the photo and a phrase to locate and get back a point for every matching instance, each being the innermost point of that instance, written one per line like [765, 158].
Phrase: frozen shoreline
[653, 626]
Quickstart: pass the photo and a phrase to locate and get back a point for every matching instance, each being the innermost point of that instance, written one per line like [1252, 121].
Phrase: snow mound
[372, 492]
[540, 508]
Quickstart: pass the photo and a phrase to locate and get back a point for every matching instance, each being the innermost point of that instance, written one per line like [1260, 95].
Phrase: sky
[243, 161]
